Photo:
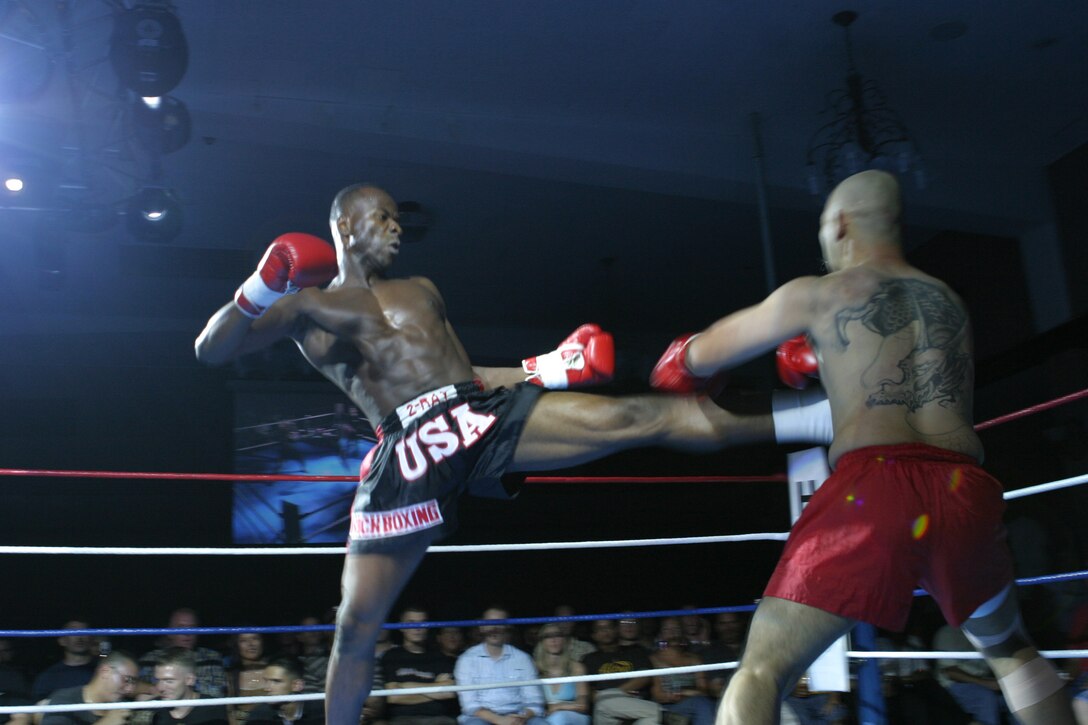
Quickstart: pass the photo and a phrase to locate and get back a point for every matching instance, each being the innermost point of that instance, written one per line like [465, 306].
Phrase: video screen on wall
[293, 430]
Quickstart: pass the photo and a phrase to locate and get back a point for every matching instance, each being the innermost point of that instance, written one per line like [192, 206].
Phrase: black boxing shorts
[431, 449]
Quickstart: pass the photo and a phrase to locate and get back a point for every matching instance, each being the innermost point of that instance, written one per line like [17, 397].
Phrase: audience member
[683, 694]
[414, 664]
[567, 703]
[911, 692]
[383, 644]
[76, 665]
[245, 672]
[15, 718]
[284, 676]
[495, 660]
[624, 699]
[971, 682]
[631, 634]
[727, 646]
[175, 676]
[451, 641]
[816, 708]
[696, 630]
[114, 679]
[579, 648]
[211, 677]
[313, 650]
[12, 679]
[14, 690]
[526, 637]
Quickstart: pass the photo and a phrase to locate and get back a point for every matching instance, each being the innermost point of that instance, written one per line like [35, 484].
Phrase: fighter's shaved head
[870, 198]
[345, 196]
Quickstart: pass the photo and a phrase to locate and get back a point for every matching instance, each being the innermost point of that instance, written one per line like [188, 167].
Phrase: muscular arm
[230, 334]
[743, 335]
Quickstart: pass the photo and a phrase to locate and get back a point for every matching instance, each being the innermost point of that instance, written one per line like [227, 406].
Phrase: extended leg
[371, 583]
[785, 638]
[566, 429]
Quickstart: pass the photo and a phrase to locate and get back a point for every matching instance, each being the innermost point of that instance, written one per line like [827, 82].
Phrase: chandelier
[863, 133]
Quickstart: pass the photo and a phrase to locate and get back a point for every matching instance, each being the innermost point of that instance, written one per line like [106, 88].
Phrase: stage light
[14, 184]
[154, 214]
[163, 127]
[148, 50]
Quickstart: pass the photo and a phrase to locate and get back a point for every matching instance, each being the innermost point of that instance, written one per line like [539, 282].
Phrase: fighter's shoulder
[850, 285]
[425, 283]
[809, 292]
[864, 282]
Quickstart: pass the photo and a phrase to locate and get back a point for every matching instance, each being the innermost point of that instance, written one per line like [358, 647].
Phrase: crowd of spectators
[91, 671]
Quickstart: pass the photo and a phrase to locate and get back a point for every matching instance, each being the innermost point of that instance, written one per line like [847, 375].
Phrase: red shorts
[891, 518]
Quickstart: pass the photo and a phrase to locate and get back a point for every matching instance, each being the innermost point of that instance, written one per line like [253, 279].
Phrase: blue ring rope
[655, 614]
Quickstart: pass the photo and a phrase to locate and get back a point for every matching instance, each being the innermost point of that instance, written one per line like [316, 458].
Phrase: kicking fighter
[444, 426]
[907, 503]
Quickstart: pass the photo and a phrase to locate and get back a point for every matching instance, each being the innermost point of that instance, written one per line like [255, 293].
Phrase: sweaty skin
[896, 360]
[894, 344]
[381, 341]
[386, 341]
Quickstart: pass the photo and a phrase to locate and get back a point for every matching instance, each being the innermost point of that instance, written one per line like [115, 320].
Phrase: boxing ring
[866, 655]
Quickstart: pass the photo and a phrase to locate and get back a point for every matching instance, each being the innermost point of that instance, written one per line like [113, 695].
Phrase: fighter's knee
[762, 678]
[996, 629]
[355, 627]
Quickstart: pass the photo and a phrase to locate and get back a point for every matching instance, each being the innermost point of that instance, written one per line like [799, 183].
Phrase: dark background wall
[137, 401]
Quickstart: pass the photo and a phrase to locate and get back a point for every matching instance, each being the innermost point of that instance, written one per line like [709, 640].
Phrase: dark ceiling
[576, 159]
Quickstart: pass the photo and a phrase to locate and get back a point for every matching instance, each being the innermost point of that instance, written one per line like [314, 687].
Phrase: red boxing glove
[293, 261]
[586, 357]
[671, 373]
[797, 363]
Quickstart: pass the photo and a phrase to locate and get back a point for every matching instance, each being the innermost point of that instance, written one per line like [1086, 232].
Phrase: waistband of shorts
[418, 406]
[906, 452]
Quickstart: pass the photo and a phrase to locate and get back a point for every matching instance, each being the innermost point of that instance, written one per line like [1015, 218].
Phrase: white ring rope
[706, 667]
[376, 693]
[1044, 487]
[910, 654]
[464, 548]
[285, 551]
[467, 548]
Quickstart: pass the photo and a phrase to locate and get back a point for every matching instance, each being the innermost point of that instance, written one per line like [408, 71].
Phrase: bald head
[861, 217]
[870, 198]
[349, 194]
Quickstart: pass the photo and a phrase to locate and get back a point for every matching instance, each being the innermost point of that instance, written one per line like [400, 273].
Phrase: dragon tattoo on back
[938, 366]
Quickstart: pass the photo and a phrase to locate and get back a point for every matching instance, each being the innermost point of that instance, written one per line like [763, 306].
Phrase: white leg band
[1030, 684]
[802, 416]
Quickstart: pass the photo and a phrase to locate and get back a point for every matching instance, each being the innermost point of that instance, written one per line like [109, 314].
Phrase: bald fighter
[907, 503]
[444, 426]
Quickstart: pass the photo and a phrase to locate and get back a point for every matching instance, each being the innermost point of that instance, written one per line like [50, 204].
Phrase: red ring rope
[529, 479]
[1032, 410]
